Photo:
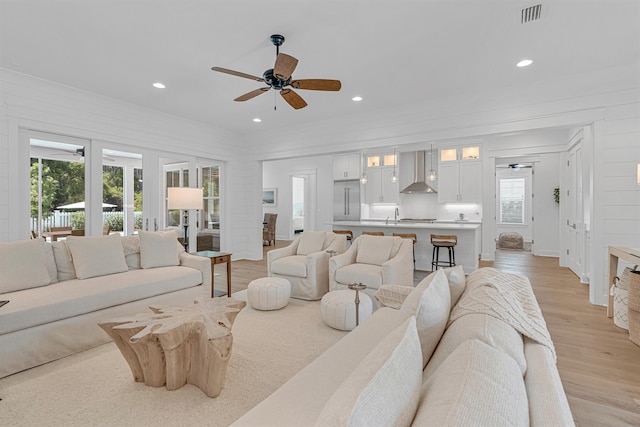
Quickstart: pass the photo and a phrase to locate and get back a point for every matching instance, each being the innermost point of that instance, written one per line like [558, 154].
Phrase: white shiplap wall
[616, 220]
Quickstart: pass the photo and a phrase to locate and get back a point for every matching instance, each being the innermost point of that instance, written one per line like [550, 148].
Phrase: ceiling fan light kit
[280, 78]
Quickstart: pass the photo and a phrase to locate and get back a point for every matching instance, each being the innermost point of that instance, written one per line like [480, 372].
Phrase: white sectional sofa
[59, 291]
[484, 358]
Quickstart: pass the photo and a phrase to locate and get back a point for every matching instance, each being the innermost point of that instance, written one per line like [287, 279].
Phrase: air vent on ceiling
[530, 14]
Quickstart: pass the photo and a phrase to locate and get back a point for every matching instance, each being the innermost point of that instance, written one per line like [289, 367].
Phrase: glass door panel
[57, 185]
[121, 192]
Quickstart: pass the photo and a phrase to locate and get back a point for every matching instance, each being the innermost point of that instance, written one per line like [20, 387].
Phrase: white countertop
[459, 225]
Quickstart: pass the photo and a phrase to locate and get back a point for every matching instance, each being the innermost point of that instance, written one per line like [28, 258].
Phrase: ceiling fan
[279, 78]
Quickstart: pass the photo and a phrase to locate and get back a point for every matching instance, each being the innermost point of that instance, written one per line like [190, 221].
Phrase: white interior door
[574, 222]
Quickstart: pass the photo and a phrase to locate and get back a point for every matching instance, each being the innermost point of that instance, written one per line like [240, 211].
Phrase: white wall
[277, 174]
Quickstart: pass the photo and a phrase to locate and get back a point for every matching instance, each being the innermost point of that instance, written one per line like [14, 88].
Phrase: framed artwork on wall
[270, 197]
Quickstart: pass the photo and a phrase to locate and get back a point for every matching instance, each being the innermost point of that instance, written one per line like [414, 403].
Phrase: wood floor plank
[598, 365]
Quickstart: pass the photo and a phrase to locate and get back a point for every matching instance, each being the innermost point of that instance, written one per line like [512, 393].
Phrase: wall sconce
[185, 198]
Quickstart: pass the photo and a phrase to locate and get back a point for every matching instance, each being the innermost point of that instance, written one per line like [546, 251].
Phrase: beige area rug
[96, 388]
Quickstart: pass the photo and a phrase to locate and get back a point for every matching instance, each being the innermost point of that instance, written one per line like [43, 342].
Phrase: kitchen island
[469, 238]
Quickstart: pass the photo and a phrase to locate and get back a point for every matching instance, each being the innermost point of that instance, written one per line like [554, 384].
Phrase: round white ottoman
[268, 293]
[338, 309]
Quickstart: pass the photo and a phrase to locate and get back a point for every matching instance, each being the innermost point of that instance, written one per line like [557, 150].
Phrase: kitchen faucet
[396, 214]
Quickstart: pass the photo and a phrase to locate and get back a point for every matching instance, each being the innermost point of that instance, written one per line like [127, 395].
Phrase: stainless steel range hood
[419, 184]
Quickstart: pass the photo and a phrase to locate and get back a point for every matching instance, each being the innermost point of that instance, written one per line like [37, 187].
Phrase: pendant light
[363, 178]
[432, 173]
[394, 177]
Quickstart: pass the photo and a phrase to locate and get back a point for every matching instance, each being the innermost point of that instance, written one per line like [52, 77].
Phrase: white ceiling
[391, 52]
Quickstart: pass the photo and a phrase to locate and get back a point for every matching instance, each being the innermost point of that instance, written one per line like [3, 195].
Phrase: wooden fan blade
[284, 66]
[252, 94]
[237, 73]
[317, 84]
[293, 99]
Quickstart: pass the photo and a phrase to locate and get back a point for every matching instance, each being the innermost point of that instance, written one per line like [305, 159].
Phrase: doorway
[298, 204]
[302, 210]
[514, 206]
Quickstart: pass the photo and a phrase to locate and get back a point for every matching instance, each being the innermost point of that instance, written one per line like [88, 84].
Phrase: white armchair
[305, 263]
[373, 261]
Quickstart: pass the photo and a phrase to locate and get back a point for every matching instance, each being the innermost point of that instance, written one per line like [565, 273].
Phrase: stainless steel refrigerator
[346, 200]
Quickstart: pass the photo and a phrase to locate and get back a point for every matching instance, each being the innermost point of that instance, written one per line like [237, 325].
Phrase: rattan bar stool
[443, 241]
[413, 237]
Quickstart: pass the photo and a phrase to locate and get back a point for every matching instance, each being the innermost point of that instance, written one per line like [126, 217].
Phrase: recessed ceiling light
[257, 120]
[524, 63]
[158, 85]
[356, 98]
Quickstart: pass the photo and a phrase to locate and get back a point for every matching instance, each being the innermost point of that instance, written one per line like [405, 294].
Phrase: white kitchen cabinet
[380, 189]
[346, 167]
[460, 174]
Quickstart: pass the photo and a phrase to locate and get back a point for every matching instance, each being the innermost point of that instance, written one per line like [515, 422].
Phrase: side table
[218, 258]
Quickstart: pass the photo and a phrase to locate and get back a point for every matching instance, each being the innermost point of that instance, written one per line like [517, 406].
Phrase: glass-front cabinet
[460, 169]
[380, 188]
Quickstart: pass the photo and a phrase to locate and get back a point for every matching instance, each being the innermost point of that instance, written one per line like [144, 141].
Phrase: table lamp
[185, 198]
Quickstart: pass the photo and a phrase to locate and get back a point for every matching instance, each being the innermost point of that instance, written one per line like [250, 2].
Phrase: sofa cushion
[369, 274]
[32, 307]
[23, 265]
[430, 302]
[490, 330]
[97, 255]
[64, 262]
[375, 250]
[295, 265]
[310, 242]
[393, 295]
[476, 385]
[158, 249]
[456, 278]
[385, 386]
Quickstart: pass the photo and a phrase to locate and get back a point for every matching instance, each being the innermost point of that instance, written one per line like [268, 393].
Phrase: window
[512, 192]
[211, 188]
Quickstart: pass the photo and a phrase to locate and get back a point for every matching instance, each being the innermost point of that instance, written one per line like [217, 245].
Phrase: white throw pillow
[476, 385]
[456, 278]
[23, 265]
[64, 263]
[158, 249]
[375, 250]
[430, 302]
[384, 388]
[50, 262]
[97, 255]
[310, 242]
[393, 295]
[131, 245]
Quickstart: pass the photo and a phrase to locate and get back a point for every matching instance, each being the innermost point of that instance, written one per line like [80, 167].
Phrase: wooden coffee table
[174, 346]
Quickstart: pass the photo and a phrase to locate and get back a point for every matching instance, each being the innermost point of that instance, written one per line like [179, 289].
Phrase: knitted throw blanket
[507, 297]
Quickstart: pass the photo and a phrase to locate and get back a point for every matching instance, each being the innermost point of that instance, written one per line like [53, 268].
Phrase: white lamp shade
[184, 198]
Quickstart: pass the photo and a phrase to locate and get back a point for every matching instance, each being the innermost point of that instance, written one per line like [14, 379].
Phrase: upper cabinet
[346, 166]
[460, 170]
[380, 169]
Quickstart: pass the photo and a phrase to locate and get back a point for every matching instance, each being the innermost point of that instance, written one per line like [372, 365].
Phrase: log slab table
[174, 346]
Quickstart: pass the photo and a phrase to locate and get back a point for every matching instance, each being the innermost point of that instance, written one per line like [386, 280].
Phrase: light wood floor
[598, 365]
